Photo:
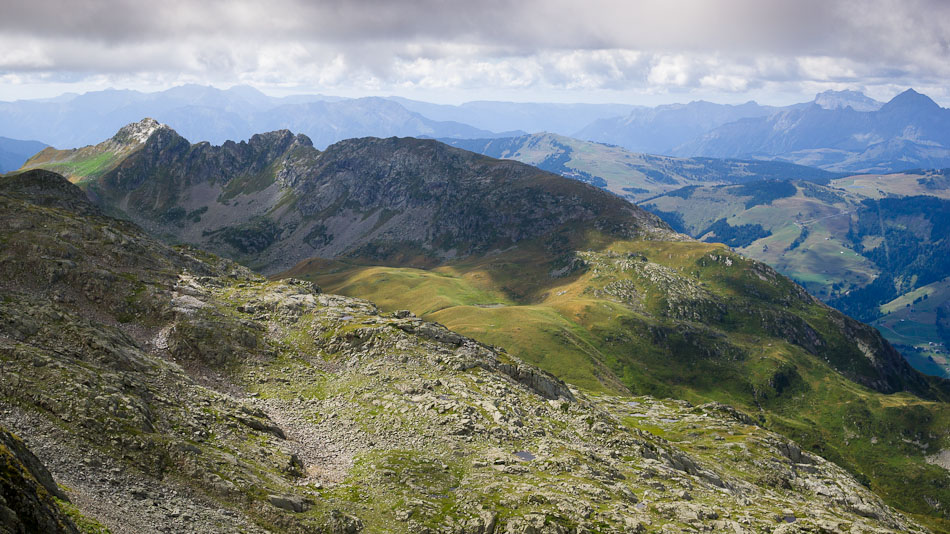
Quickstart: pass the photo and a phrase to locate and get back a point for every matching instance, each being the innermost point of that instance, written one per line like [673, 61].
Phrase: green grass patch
[85, 524]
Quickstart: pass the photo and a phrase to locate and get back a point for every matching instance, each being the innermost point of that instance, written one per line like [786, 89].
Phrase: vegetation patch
[734, 236]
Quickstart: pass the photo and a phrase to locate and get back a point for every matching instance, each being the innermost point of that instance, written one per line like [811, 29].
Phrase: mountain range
[561, 274]
[360, 197]
[662, 129]
[909, 131]
[214, 115]
[533, 117]
[841, 131]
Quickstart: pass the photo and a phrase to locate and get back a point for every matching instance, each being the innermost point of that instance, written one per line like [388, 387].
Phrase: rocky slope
[171, 391]
[561, 274]
[275, 200]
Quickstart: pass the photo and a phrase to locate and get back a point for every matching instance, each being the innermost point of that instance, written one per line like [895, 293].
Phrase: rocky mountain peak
[278, 141]
[137, 133]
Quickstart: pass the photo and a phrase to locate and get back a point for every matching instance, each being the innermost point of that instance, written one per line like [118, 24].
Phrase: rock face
[275, 200]
[172, 391]
[26, 492]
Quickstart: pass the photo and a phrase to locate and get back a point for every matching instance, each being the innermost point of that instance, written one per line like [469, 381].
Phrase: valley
[634, 176]
[829, 239]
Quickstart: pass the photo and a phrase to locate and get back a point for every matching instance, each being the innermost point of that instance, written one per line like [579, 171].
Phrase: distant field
[877, 186]
[910, 321]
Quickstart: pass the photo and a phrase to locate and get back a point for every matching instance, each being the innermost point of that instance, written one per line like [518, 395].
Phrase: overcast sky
[630, 51]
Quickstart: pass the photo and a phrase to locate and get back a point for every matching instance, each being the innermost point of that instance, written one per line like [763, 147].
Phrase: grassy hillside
[632, 175]
[909, 183]
[88, 163]
[867, 250]
[801, 229]
[684, 320]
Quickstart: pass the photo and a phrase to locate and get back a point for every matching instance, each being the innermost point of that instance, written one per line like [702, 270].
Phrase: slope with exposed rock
[278, 200]
[168, 391]
[561, 274]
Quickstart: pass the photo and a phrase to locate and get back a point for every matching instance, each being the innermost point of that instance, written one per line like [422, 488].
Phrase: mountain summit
[910, 101]
[842, 99]
[279, 200]
[138, 132]
[94, 160]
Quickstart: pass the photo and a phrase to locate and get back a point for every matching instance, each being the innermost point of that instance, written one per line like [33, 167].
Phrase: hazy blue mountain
[841, 99]
[659, 130]
[14, 152]
[563, 119]
[209, 114]
[909, 131]
[77, 120]
[328, 122]
[839, 131]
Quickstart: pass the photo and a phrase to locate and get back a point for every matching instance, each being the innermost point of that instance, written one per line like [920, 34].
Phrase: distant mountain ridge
[14, 152]
[531, 117]
[214, 115]
[661, 129]
[634, 176]
[839, 131]
[909, 131]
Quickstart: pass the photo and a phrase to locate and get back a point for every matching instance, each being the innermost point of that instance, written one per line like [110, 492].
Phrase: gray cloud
[648, 45]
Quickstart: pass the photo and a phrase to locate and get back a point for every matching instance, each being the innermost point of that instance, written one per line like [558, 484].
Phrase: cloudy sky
[630, 51]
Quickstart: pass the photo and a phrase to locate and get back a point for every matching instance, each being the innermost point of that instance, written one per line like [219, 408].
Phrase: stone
[291, 503]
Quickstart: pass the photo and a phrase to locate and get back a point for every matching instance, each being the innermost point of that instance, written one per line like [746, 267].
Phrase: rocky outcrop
[392, 199]
[27, 492]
